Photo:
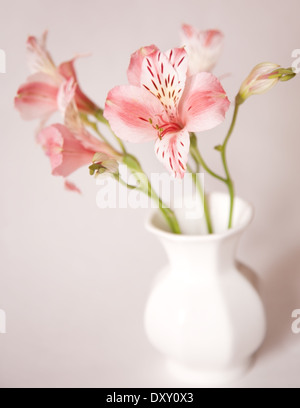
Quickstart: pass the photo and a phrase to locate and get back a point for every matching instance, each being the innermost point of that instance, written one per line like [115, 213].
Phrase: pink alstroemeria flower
[41, 95]
[203, 48]
[162, 104]
[71, 146]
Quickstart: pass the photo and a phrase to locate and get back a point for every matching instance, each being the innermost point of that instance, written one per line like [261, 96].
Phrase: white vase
[203, 314]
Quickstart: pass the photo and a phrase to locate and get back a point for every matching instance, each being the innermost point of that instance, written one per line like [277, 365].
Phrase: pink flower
[41, 95]
[70, 146]
[162, 104]
[203, 48]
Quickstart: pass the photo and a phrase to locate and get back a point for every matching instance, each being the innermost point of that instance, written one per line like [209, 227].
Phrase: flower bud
[262, 78]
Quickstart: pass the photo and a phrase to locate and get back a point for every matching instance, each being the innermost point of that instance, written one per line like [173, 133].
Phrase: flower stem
[199, 159]
[94, 126]
[146, 187]
[203, 197]
[223, 150]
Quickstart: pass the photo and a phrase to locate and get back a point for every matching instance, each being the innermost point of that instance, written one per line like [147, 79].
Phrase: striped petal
[164, 76]
[135, 67]
[133, 113]
[173, 150]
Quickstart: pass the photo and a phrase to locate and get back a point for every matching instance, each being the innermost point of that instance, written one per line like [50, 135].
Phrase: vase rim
[151, 227]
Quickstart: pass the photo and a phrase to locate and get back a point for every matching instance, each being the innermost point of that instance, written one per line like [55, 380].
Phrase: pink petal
[203, 48]
[36, 100]
[67, 70]
[75, 125]
[133, 113]
[204, 103]
[135, 67]
[41, 77]
[66, 153]
[39, 59]
[65, 94]
[84, 104]
[173, 150]
[71, 187]
[164, 79]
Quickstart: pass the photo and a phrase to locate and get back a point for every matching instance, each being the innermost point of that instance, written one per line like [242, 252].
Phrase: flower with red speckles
[163, 104]
[203, 48]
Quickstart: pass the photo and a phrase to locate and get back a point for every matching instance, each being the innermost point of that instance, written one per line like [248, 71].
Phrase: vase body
[203, 314]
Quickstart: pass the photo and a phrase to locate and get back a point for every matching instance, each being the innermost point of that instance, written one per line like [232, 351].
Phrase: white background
[73, 278]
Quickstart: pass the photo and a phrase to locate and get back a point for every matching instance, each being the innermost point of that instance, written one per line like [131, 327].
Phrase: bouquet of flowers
[170, 97]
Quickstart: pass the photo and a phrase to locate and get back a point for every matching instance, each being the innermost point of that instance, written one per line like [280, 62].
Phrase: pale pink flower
[203, 48]
[41, 95]
[162, 104]
[71, 146]
[260, 80]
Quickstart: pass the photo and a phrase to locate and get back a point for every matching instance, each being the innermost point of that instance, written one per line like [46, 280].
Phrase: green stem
[146, 187]
[121, 181]
[229, 180]
[199, 159]
[94, 126]
[203, 197]
[167, 212]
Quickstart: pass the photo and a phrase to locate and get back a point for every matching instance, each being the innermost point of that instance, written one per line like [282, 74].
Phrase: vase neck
[206, 259]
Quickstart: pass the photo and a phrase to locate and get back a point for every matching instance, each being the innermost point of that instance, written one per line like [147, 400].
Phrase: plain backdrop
[74, 279]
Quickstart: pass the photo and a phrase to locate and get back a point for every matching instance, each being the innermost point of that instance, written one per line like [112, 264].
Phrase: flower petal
[36, 100]
[135, 67]
[69, 186]
[80, 133]
[132, 113]
[65, 94]
[66, 153]
[39, 59]
[204, 103]
[173, 150]
[164, 76]
[203, 48]
[84, 104]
